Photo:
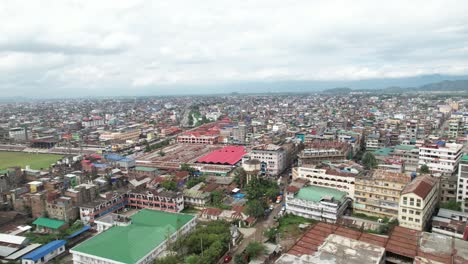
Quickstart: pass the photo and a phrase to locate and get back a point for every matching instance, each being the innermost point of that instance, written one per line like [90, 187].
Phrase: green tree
[188, 168]
[169, 185]
[216, 198]
[194, 181]
[369, 161]
[240, 259]
[270, 234]
[451, 205]
[255, 249]
[240, 177]
[193, 259]
[255, 208]
[424, 169]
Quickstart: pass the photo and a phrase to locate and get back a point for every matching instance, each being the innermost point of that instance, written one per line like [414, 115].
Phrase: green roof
[148, 169]
[129, 244]
[464, 157]
[3, 171]
[405, 147]
[315, 193]
[383, 151]
[49, 223]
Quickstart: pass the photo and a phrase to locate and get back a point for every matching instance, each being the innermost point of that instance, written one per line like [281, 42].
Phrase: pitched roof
[229, 155]
[44, 250]
[421, 186]
[49, 223]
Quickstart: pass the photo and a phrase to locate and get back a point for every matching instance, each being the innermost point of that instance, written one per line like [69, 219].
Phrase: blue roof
[44, 250]
[79, 232]
[113, 157]
[100, 165]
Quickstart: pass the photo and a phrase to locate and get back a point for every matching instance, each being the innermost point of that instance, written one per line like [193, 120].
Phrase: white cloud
[108, 43]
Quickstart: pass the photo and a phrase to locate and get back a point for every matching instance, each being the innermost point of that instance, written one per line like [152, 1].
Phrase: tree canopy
[424, 169]
[369, 161]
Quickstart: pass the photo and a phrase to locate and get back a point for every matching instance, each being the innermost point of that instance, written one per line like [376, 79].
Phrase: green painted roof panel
[128, 244]
[315, 193]
[49, 223]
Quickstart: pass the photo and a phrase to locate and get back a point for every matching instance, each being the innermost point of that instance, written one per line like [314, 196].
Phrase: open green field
[36, 161]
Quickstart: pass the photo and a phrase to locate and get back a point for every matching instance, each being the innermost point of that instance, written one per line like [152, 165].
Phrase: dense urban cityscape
[307, 178]
[233, 132]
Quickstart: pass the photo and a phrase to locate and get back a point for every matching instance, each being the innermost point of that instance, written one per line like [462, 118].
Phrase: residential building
[451, 223]
[418, 201]
[140, 242]
[156, 200]
[197, 138]
[441, 158]
[62, 208]
[102, 206]
[318, 203]
[378, 194]
[326, 175]
[409, 154]
[273, 158]
[196, 197]
[317, 151]
[462, 179]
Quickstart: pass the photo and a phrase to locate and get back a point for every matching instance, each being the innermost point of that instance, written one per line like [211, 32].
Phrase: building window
[403, 217]
[405, 200]
[417, 220]
[403, 210]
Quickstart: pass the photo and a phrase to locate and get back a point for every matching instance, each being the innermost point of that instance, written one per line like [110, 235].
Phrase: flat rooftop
[339, 249]
[128, 244]
[317, 193]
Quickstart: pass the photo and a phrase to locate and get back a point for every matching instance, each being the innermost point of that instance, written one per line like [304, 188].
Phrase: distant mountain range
[443, 86]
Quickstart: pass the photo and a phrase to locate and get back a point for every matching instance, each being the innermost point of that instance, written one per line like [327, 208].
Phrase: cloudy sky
[113, 47]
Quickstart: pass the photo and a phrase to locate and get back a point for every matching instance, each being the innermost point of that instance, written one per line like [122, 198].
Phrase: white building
[318, 203]
[418, 201]
[141, 242]
[462, 195]
[342, 180]
[440, 158]
[273, 156]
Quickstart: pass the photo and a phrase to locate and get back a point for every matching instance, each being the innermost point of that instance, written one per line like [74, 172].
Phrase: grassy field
[36, 161]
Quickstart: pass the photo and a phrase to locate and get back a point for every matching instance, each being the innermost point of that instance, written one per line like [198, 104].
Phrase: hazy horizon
[53, 49]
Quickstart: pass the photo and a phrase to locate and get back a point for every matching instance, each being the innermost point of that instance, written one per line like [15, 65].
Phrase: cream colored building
[418, 201]
[327, 177]
[379, 194]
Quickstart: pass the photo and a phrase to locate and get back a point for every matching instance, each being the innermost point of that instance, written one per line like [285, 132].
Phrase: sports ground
[34, 160]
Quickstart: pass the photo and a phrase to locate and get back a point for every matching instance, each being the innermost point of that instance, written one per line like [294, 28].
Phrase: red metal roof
[228, 155]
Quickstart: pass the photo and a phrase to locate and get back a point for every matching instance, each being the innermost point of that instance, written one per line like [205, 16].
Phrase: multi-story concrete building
[317, 151]
[161, 201]
[62, 208]
[412, 129]
[19, 134]
[325, 176]
[272, 156]
[318, 203]
[462, 192]
[418, 201]
[141, 240]
[102, 206]
[455, 127]
[197, 138]
[379, 194]
[94, 121]
[441, 158]
[409, 154]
